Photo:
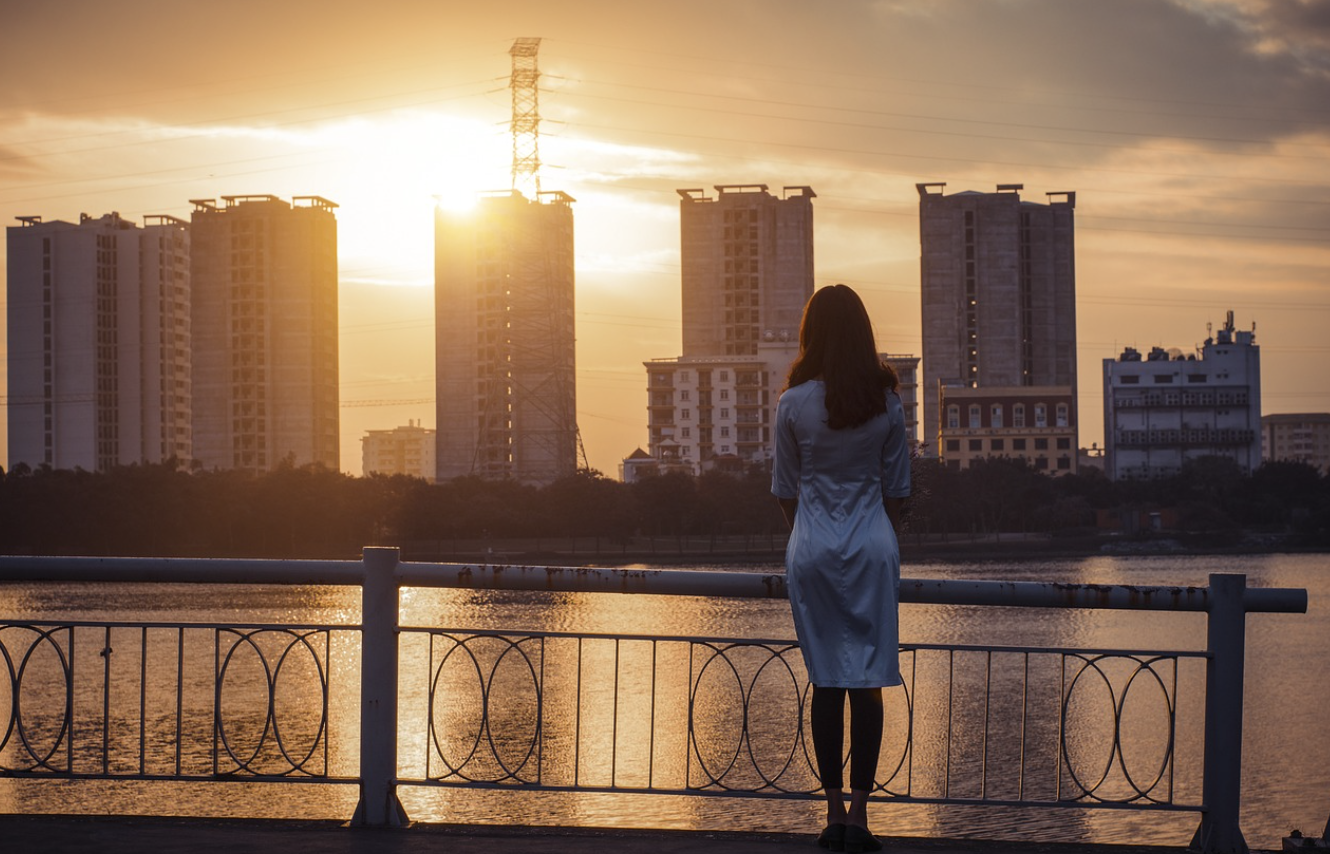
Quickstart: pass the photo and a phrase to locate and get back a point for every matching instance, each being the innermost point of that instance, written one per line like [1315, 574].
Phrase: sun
[391, 171]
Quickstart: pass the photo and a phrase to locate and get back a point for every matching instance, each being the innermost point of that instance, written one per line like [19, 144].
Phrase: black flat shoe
[832, 837]
[859, 839]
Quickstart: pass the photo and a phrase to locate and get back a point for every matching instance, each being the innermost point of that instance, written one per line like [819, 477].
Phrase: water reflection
[616, 713]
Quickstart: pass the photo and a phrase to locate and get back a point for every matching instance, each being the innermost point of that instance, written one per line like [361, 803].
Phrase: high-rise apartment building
[1297, 437]
[99, 338]
[747, 271]
[504, 339]
[264, 319]
[747, 266]
[1167, 408]
[998, 280]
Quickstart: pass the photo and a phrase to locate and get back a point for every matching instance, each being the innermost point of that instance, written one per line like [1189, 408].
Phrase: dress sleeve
[785, 471]
[895, 452]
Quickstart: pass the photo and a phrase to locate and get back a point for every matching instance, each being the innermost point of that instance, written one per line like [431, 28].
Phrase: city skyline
[1198, 155]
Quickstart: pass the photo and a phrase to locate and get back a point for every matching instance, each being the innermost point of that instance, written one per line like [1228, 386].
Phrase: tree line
[312, 512]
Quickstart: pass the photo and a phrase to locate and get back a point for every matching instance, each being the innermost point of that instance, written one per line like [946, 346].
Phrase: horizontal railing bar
[568, 579]
[179, 778]
[666, 582]
[775, 794]
[787, 642]
[118, 624]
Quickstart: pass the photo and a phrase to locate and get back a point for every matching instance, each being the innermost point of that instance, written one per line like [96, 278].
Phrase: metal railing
[559, 711]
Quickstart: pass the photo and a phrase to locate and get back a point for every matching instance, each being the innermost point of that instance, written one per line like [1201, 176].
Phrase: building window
[1041, 444]
[998, 445]
[725, 432]
[1018, 444]
[954, 445]
[976, 444]
[1040, 415]
[683, 395]
[1064, 444]
[1064, 463]
[724, 376]
[724, 413]
[953, 416]
[995, 415]
[1196, 378]
[687, 432]
[724, 449]
[686, 414]
[974, 415]
[724, 394]
[1129, 379]
[1163, 378]
[1063, 413]
[1041, 464]
[1018, 415]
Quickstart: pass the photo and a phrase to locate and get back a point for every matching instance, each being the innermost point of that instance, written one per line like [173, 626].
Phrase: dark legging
[827, 717]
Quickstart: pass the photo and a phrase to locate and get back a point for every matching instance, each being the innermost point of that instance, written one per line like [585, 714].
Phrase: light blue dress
[843, 562]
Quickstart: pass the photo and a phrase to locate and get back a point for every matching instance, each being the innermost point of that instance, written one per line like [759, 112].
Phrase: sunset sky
[1195, 133]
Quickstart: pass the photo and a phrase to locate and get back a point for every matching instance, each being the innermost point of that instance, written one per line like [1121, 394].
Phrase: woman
[842, 474]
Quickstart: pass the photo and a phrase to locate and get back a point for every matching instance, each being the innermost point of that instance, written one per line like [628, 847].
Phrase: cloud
[1302, 24]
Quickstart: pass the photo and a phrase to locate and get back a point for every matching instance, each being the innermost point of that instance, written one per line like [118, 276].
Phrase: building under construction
[504, 342]
[503, 302]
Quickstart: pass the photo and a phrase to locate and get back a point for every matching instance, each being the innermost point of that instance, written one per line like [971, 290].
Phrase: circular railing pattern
[17, 731]
[1094, 670]
[791, 776]
[489, 765]
[272, 754]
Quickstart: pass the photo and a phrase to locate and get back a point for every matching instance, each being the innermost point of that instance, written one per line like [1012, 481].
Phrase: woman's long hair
[836, 344]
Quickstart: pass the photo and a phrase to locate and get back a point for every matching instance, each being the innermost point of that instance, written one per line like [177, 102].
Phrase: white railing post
[379, 806]
[1221, 787]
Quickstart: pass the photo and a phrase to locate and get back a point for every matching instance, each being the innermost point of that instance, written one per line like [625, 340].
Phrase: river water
[1286, 749]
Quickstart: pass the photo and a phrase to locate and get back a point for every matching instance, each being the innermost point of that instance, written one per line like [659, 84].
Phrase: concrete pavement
[54, 834]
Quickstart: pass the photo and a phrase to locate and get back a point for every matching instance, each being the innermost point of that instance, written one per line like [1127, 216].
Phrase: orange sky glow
[1196, 134]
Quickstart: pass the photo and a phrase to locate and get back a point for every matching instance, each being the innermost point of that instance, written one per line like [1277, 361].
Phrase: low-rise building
[718, 412]
[1032, 423]
[1298, 437]
[1167, 407]
[408, 450]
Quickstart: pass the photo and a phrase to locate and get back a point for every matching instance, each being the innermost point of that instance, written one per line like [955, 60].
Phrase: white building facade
[1297, 437]
[99, 342]
[1167, 408]
[719, 412]
[405, 450]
